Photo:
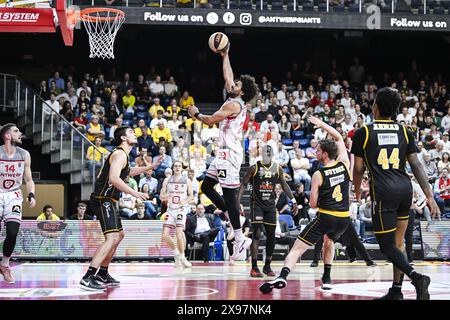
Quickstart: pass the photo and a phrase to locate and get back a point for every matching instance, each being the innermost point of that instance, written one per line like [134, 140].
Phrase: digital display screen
[80, 239]
[436, 239]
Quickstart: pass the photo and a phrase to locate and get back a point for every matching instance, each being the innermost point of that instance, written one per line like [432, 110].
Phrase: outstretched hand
[192, 110]
[316, 121]
[224, 52]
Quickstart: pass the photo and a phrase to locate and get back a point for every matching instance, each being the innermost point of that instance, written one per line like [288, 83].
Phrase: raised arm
[227, 71]
[422, 179]
[342, 150]
[225, 111]
[248, 175]
[163, 192]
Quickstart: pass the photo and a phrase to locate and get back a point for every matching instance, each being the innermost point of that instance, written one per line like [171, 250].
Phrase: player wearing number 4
[177, 191]
[383, 147]
[330, 195]
[15, 166]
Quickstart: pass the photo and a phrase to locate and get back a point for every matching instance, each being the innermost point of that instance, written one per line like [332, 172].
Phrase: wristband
[293, 200]
[196, 114]
[31, 195]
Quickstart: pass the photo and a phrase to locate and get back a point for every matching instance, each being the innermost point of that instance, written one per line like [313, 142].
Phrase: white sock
[5, 261]
[177, 252]
[238, 235]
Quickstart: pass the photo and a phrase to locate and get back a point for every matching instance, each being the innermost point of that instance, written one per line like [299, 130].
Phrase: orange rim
[85, 14]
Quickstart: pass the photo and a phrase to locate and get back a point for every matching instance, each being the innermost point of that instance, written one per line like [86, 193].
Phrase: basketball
[218, 41]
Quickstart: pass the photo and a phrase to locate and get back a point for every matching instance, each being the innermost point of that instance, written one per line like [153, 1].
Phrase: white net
[102, 27]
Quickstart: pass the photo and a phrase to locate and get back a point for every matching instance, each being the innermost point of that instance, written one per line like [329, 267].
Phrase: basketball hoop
[102, 25]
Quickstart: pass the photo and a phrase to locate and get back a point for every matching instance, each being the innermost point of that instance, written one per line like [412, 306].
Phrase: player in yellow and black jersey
[330, 195]
[263, 177]
[383, 147]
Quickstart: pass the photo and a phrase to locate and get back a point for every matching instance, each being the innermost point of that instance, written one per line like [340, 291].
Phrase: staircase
[57, 137]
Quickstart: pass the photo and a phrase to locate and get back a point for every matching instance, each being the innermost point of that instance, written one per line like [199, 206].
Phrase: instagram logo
[245, 19]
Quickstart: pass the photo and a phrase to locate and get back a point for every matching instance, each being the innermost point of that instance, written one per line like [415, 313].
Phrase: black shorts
[386, 212]
[323, 224]
[263, 215]
[107, 212]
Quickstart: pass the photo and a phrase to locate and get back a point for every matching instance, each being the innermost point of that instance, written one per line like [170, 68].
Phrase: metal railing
[57, 136]
[412, 6]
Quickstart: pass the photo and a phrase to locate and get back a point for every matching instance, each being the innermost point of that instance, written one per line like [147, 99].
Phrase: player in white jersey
[226, 167]
[177, 191]
[15, 166]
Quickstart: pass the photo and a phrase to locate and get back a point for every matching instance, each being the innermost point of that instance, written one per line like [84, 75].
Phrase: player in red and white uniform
[177, 191]
[225, 168]
[15, 166]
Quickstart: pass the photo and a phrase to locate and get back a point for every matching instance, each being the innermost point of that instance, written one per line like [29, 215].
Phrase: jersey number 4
[384, 161]
[337, 194]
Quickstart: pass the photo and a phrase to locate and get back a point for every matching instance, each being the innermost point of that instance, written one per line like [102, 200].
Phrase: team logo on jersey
[222, 174]
[179, 217]
[8, 184]
[16, 210]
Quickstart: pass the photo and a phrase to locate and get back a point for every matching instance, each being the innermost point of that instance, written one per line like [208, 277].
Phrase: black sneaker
[371, 263]
[91, 284]
[278, 283]
[391, 295]
[107, 280]
[326, 284]
[267, 270]
[314, 264]
[421, 285]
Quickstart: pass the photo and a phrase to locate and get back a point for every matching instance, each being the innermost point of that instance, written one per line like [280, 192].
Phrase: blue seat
[107, 130]
[109, 148]
[246, 5]
[288, 219]
[215, 4]
[142, 115]
[287, 142]
[304, 143]
[439, 10]
[277, 5]
[354, 7]
[308, 7]
[142, 107]
[147, 123]
[128, 116]
[297, 135]
[128, 122]
[339, 8]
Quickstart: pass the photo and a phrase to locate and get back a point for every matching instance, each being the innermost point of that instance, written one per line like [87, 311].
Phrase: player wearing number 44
[15, 166]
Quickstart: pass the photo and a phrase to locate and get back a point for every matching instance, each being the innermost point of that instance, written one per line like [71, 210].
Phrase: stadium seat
[307, 6]
[215, 4]
[339, 8]
[147, 123]
[128, 122]
[415, 4]
[245, 4]
[304, 143]
[277, 5]
[109, 148]
[287, 142]
[142, 115]
[439, 10]
[128, 116]
[322, 7]
[297, 135]
[141, 108]
[233, 4]
[354, 7]
[288, 219]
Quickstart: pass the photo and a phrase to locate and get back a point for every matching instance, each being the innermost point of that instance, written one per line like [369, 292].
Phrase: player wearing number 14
[15, 166]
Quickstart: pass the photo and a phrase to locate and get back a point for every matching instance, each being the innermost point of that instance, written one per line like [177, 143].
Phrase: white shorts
[175, 217]
[11, 206]
[225, 170]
